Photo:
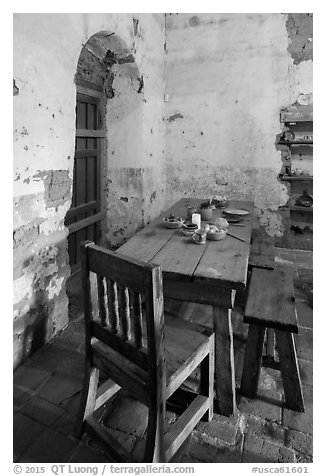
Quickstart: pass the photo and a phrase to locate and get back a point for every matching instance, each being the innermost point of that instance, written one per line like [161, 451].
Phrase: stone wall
[228, 76]
[46, 52]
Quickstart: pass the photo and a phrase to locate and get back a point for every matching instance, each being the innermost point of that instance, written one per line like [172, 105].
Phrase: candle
[195, 218]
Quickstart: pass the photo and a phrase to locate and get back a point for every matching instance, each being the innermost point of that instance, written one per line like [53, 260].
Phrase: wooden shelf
[299, 119]
[297, 113]
[293, 178]
[296, 208]
[295, 142]
[300, 209]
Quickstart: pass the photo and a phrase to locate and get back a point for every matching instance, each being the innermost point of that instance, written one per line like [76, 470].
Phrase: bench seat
[271, 301]
[262, 251]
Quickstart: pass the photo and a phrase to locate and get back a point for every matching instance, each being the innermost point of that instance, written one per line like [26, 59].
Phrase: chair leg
[207, 380]
[252, 361]
[88, 398]
[289, 370]
[225, 401]
[154, 451]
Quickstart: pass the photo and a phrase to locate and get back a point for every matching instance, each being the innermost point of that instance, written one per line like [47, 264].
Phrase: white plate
[236, 211]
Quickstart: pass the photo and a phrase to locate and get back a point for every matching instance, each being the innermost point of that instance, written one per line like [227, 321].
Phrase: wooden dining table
[209, 273]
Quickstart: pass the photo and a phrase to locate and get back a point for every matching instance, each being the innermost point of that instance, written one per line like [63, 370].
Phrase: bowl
[173, 223]
[216, 235]
[188, 229]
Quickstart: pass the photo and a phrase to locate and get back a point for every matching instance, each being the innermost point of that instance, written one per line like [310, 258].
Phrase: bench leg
[252, 361]
[270, 344]
[289, 370]
[269, 360]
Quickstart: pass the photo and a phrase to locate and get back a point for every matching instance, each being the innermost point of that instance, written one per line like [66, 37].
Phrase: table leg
[225, 403]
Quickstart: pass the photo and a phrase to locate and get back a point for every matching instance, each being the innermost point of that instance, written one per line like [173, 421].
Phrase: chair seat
[184, 342]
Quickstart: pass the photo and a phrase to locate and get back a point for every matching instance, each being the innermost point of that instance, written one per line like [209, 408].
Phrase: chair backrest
[123, 305]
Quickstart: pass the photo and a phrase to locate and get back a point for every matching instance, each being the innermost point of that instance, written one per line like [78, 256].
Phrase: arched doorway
[94, 87]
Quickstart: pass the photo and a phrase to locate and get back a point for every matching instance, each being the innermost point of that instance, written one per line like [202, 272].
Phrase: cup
[199, 237]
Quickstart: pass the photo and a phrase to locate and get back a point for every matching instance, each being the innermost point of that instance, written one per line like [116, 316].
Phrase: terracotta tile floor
[47, 388]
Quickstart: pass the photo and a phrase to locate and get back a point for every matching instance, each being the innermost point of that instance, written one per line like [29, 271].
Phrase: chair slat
[114, 341]
[124, 314]
[113, 305]
[93, 297]
[101, 300]
[137, 321]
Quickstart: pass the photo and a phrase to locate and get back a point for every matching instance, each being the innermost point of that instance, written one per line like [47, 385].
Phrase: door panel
[85, 213]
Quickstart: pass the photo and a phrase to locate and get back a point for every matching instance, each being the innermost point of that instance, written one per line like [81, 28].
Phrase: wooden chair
[271, 305]
[128, 341]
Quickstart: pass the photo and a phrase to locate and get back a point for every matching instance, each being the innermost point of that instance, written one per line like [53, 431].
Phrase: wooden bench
[271, 305]
[262, 255]
[262, 251]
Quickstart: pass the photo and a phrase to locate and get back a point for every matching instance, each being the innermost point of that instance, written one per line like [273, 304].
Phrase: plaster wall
[46, 52]
[135, 182]
[228, 75]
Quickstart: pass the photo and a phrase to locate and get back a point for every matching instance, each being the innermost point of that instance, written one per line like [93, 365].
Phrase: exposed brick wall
[300, 31]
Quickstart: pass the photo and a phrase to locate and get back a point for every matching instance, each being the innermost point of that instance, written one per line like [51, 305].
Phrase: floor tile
[50, 447]
[299, 441]
[298, 421]
[306, 371]
[31, 378]
[304, 344]
[304, 313]
[21, 395]
[260, 409]
[84, 454]
[26, 430]
[60, 388]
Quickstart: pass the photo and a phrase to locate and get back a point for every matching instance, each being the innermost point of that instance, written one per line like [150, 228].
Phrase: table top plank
[179, 257]
[227, 259]
[148, 241]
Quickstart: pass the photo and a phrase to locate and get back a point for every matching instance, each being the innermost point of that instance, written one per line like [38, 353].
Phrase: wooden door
[85, 212]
